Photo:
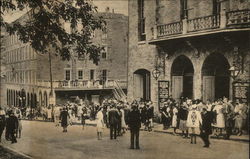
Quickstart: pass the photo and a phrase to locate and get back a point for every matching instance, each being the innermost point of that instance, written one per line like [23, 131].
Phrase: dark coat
[134, 119]
[2, 122]
[12, 123]
[64, 118]
[113, 117]
[207, 120]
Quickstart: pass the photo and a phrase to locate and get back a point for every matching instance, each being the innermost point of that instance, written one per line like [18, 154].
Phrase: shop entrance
[216, 77]
[142, 84]
[182, 72]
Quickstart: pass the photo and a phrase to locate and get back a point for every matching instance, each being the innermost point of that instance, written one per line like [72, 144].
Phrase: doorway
[216, 77]
[142, 84]
[182, 72]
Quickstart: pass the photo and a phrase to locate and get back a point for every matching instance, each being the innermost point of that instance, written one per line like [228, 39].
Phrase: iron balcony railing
[224, 20]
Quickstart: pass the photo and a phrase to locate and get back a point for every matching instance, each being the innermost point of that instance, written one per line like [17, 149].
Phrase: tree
[44, 28]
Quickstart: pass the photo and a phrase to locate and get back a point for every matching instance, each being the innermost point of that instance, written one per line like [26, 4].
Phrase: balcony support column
[184, 26]
[223, 19]
[155, 31]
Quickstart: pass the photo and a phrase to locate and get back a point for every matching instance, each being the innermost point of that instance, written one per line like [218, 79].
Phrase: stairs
[118, 92]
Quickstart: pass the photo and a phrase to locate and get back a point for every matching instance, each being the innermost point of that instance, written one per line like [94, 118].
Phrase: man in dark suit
[2, 122]
[134, 123]
[13, 126]
[206, 127]
[113, 118]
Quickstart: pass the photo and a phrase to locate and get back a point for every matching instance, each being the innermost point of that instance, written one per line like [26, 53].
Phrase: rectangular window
[184, 9]
[67, 75]
[104, 53]
[216, 7]
[141, 21]
[92, 74]
[104, 75]
[80, 74]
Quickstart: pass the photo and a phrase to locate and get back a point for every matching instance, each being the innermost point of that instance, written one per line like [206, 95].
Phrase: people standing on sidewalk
[193, 122]
[150, 115]
[206, 127]
[164, 116]
[64, 117]
[134, 123]
[20, 126]
[100, 123]
[56, 115]
[241, 116]
[183, 113]
[229, 118]
[174, 117]
[2, 122]
[220, 119]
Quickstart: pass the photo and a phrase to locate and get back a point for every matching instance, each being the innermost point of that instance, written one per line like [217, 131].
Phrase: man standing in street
[134, 123]
[206, 127]
[13, 126]
[113, 118]
[2, 122]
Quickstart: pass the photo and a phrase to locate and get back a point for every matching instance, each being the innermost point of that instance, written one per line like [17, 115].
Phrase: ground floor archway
[142, 84]
[215, 77]
[182, 72]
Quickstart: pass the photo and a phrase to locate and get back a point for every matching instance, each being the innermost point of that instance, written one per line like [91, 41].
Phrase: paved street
[42, 140]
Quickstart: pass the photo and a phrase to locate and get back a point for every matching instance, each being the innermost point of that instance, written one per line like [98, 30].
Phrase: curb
[15, 152]
[211, 137]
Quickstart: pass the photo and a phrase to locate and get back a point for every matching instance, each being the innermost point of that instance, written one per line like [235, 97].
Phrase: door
[95, 99]
[208, 88]
[138, 86]
[177, 87]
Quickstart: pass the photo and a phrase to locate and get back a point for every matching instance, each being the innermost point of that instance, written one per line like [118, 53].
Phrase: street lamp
[234, 72]
[156, 73]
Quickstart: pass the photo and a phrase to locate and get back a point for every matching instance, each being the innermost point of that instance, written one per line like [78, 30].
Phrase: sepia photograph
[124, 79]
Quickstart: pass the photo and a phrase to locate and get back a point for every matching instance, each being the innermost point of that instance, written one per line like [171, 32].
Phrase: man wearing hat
[134, 123]
[206, 127]
[2, 121]
[13, 126]
[113, 119]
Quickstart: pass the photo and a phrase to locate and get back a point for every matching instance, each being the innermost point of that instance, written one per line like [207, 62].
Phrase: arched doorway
[182, 72]
[142, 84]
[28, 100]
[40, 99]
[216, 77]
[45, 99]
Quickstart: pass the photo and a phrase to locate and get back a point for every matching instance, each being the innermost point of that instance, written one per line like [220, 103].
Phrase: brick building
[191, 48]
[27, 75]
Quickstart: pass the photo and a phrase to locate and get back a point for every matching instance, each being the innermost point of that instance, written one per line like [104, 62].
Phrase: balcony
[83, 84]
[226, 21]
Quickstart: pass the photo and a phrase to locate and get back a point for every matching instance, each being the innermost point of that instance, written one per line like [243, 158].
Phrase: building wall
[142, 55]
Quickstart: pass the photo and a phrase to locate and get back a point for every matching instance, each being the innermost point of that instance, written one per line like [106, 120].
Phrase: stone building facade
[27, 75]
[186, 48]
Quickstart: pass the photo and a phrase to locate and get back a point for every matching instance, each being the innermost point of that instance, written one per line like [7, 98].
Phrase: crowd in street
[192, 117]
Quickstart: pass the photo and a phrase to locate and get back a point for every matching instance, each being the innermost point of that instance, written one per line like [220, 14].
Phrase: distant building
[188, 48]
[27, 75]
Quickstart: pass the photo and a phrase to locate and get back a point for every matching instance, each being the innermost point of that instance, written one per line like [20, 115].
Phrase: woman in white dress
[174, 119]
[100, 123]
[194, 121]
[220, 119]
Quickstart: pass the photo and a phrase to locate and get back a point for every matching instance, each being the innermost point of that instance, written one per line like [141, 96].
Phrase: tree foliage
[43, 26]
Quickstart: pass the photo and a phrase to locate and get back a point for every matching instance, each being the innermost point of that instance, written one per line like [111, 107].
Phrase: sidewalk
[159, 128]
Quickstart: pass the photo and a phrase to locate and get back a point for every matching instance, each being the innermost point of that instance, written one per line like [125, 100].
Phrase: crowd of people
[11, 121]
[192, 117]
